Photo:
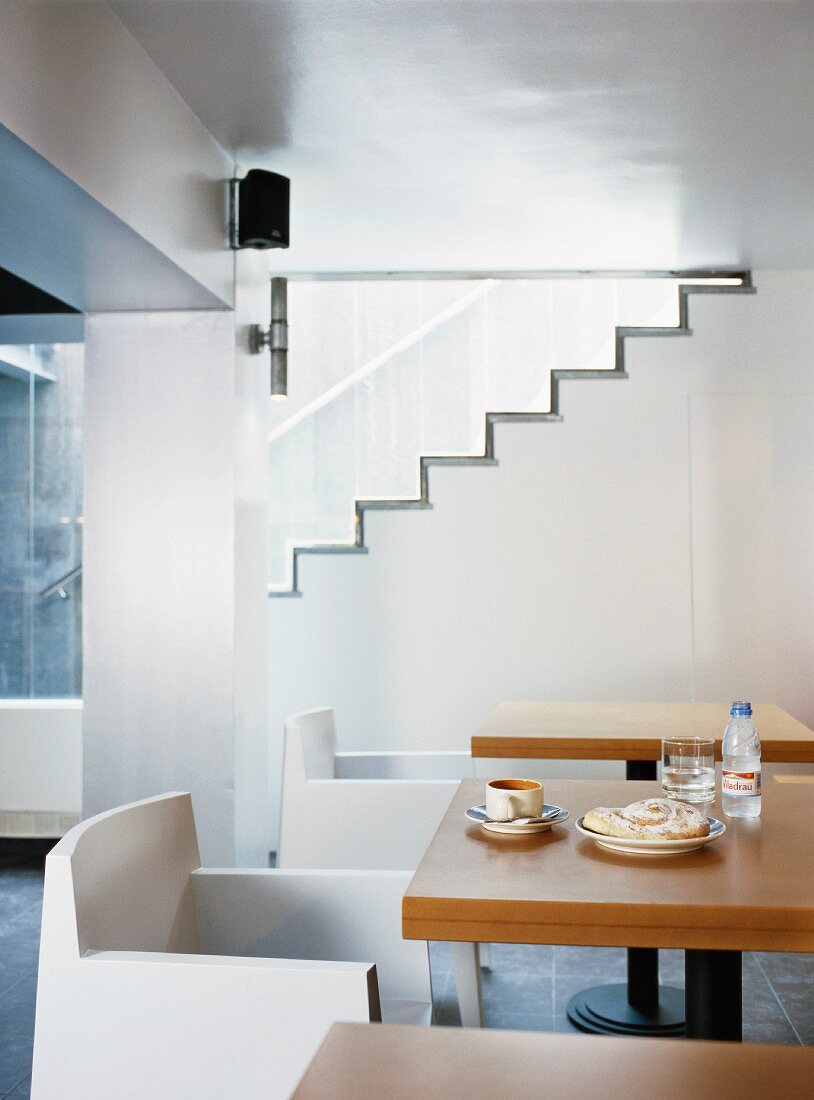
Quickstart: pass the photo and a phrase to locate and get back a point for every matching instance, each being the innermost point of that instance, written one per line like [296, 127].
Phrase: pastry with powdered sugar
[652, 817]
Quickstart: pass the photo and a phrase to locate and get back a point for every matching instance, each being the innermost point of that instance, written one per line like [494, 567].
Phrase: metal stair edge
[457, 460]
[389, 504]
[524, 417]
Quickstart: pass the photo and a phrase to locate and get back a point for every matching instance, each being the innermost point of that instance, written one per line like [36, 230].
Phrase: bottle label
[740, 783]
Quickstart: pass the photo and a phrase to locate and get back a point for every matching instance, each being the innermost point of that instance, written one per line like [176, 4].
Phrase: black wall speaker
[259, 214]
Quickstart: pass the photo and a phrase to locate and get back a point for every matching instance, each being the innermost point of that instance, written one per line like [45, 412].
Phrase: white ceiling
[511, 134]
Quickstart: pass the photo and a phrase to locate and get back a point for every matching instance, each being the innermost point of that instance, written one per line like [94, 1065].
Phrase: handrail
[720, 276]
[59, 587]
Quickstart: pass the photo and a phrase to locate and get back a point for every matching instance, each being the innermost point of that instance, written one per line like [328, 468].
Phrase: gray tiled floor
[527, 987]
[20, 909]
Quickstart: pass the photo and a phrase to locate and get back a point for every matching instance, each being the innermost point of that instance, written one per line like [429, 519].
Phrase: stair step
[458, 460]
[668, 330]
[331, 548]
[586, 375]
[699, 288]
[416, 504]
[524, 418]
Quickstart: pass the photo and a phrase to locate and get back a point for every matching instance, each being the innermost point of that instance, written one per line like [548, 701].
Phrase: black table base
[605, 1010]
[714, 999]
[641, 1007]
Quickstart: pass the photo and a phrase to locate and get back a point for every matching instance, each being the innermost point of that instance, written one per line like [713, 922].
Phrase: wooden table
[752, 890]
[631, 732]
[371, 1061]
[628, 731]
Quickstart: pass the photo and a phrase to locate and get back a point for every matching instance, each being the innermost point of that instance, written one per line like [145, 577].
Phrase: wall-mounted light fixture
[275, 338]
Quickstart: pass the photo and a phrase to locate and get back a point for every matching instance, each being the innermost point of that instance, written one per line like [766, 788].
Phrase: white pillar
[166, 492]
[253, 830]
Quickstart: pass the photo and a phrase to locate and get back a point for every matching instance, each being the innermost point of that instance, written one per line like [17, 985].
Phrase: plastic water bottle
[740, 774]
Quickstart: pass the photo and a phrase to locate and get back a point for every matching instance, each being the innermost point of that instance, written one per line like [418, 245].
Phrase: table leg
[466, 966]
[640, 769]
[714, 995]
[641, 1007]
[643, 978]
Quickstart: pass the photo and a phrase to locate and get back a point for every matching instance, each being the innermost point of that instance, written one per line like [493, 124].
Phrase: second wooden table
[628, 731]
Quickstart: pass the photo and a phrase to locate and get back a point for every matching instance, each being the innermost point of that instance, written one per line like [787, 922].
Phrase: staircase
[549, 330]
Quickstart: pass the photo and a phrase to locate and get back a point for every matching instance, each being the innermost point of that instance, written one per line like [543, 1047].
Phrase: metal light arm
[275, 338]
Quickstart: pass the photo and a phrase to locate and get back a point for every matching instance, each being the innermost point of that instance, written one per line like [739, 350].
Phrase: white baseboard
[34, 824]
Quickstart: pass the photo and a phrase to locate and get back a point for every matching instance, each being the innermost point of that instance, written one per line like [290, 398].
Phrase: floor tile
[27, 922]
[12, 971]
[518, 1021]
[517, 992]
[594, 963]
[14, 901]
[20, 946]
[17, 1009]
[565, 988]
[22, 1091]
[21, 878]
[15, 1061]
[513, 957]
[764, 1020]
[19, 939]
[755, 985]
[787, 968]
[563, 1026]
[797, 999]
[671, 967]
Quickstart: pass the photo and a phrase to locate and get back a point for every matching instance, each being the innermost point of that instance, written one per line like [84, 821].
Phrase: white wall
[168, 494]
[40, 766]
[78, 89]
[655, 545]
[113, 195]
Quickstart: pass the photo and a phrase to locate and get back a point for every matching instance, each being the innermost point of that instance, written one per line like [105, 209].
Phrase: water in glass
[688, 768]
[689, 784]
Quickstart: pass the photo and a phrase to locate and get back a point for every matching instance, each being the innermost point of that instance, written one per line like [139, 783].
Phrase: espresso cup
[507, 799]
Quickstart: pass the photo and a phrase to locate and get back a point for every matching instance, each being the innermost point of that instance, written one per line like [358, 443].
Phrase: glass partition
[382, 371]
[41, 521]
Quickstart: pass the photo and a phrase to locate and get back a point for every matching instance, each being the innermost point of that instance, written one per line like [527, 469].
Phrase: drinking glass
[688, 768]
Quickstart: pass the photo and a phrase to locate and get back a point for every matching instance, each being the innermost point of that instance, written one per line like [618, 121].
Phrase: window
[41, 521]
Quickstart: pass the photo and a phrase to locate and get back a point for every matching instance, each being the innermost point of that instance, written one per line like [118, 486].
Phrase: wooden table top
[628, 731]
[751, 890]
[371, 1061]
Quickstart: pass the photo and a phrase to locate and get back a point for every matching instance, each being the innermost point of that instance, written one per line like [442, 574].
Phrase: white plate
[655, 846]
[558, 815]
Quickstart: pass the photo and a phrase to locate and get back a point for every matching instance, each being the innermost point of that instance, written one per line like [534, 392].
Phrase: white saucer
[557, 816]
[655, 846]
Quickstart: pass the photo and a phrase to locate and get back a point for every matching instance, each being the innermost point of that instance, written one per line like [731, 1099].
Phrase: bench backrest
[121, 880]
[310, 744]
